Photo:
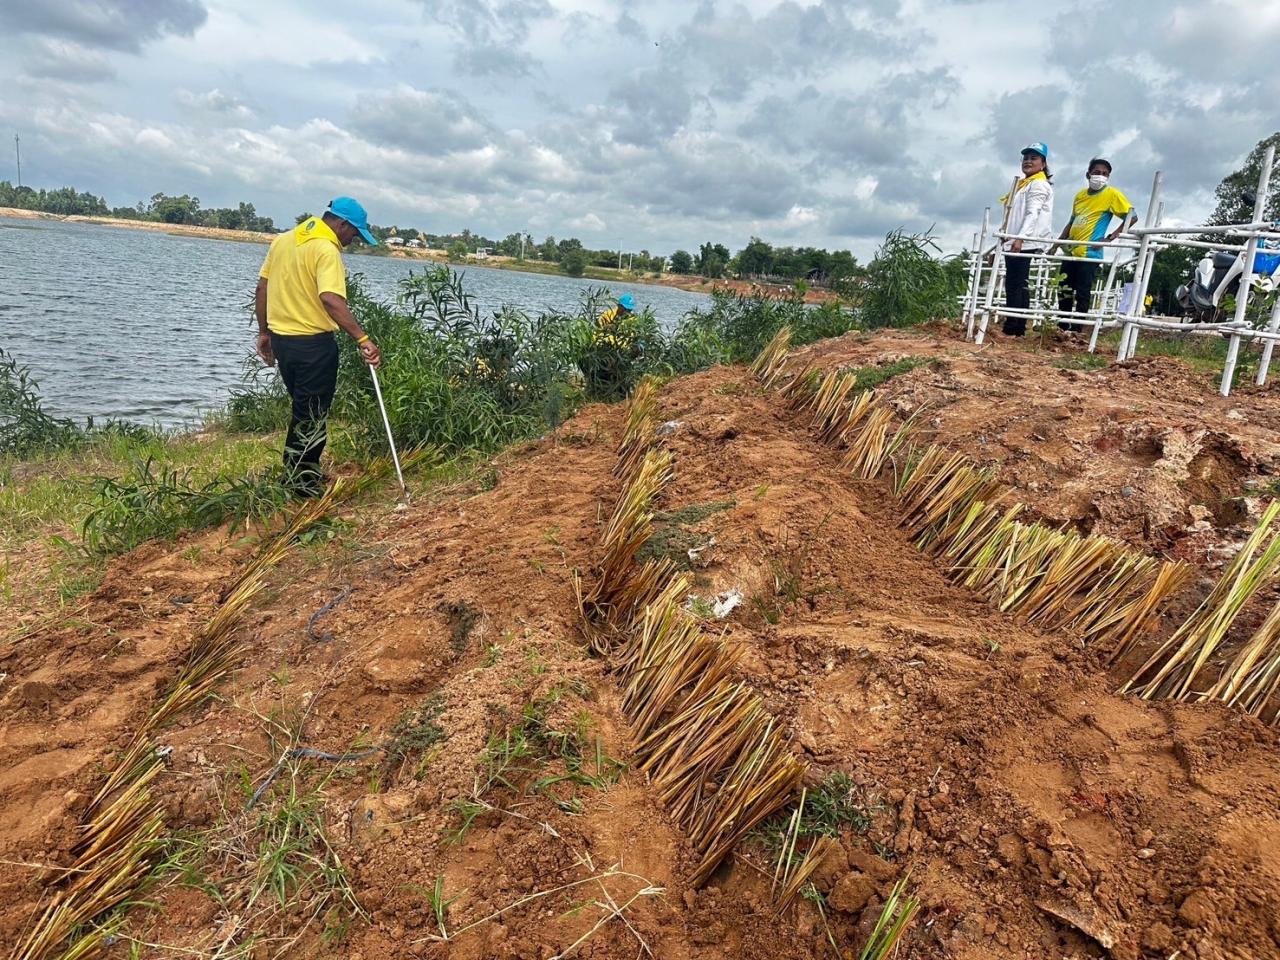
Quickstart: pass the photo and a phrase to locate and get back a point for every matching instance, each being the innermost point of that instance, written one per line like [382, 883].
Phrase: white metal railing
[1136, 249]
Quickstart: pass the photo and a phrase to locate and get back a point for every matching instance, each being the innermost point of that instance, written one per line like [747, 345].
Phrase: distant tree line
[161, 208]
[758, 260]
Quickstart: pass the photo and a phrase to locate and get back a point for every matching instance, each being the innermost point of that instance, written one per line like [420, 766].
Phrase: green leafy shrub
[907, 284]
[155, 500]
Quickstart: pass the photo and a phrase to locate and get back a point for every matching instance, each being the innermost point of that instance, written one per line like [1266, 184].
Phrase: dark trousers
[309, 368]
[1017, 268]
[1075, 293]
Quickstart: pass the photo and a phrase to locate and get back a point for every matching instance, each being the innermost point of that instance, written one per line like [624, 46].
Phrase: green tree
[457, 250]
[712, 259]
[1235, 194]
[509, 246]
[167, 209]
[301, 217]
[681, 262]
[548, 250]
[755, 259]
[574, 261]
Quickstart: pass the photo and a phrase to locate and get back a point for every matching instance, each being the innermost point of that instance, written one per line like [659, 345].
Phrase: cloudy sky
[654, 123]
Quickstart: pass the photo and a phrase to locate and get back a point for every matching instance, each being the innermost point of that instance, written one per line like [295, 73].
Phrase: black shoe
[307, 484]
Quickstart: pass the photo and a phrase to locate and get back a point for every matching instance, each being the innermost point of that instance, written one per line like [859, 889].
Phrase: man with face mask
[1091, 215]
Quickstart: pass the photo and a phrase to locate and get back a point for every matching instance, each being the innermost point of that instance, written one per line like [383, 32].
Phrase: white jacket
[1032, 215]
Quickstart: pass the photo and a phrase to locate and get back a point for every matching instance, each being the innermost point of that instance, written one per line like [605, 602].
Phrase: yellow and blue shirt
[301, 265]
[1091, 215]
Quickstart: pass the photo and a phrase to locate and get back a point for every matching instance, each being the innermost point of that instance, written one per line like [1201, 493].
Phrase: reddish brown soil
[1039, 814]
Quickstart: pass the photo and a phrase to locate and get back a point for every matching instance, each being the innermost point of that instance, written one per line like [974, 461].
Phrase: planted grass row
[1093, 585]
[718, 760]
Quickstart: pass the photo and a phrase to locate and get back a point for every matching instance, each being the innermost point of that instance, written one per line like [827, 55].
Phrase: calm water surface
[154, 328]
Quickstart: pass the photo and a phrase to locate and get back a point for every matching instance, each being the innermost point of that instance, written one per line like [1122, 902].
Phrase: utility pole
[522, 246]
[17, 149]
[619, 253]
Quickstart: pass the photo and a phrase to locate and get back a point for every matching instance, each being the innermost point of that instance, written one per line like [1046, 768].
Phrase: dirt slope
[1039, 814]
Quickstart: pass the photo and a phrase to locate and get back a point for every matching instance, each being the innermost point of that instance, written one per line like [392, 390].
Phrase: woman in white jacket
[1030, 215]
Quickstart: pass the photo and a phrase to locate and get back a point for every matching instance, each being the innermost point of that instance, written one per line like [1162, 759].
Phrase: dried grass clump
[768, 365]
[618, 588]
[875, 442]
[639, 432]
[1252, 680]
[1171, 671]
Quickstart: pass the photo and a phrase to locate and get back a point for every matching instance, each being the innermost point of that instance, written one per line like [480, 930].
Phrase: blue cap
[1038, 147]
[627, 302]
[349, 210]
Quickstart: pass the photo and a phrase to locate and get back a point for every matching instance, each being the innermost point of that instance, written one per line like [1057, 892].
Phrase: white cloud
[820, 122]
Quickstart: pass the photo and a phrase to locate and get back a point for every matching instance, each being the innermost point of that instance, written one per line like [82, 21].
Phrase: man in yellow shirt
[1091, 215]
[301, 301]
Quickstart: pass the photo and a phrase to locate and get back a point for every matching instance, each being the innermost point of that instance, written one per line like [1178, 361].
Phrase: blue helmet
[627, 302]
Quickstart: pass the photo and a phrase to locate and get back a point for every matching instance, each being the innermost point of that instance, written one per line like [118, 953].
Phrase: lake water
[154, 328]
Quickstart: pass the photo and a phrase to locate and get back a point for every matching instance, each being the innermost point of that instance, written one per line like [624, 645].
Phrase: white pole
[1246, 278]
[395, 457]
[1141, 284]
[997, 263]
[975, 275]
[1130, 332]
[1265, 362]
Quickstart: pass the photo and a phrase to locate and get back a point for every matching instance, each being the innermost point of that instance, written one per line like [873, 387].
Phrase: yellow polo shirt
[301, 265]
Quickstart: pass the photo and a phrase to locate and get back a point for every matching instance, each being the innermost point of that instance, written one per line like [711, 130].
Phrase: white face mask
[1097, 182]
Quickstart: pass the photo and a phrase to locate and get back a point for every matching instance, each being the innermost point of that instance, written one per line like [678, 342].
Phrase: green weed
[830, 808]
[1082, 361]
[870, 377]
[415, 733]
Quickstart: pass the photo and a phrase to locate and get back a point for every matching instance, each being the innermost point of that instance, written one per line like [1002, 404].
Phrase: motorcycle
[1217, 276]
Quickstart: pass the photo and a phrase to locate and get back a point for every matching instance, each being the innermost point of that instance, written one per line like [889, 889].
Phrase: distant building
[395, 241]
[482, 253]
[415, 242]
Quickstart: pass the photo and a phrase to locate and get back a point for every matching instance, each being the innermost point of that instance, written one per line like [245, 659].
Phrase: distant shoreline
[686, 282]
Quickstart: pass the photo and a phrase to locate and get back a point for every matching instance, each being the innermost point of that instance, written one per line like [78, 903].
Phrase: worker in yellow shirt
[625, 306]
[300, 302]
[1091, 215]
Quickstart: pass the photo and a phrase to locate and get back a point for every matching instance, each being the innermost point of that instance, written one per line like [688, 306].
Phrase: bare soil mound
[1038, 813]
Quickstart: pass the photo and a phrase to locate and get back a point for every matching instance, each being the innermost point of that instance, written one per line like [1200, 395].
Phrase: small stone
[1157, 938]
[1146, 853]
[851, 892]
[1197, 908]
[1126, 491]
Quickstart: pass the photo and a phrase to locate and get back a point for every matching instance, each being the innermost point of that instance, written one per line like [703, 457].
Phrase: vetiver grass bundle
[875, 443]
[768, 365]
[799, 389]
[629, 527]
[1124, 599]
[848, 420]
[721, 766]
[640, 425]
[120, 841]
[791, 874]
[670, 660]
[1172, 669]
[829, 402]
[1252, 680]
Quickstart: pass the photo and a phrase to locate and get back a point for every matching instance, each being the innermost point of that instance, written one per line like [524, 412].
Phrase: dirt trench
[1037, 813]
